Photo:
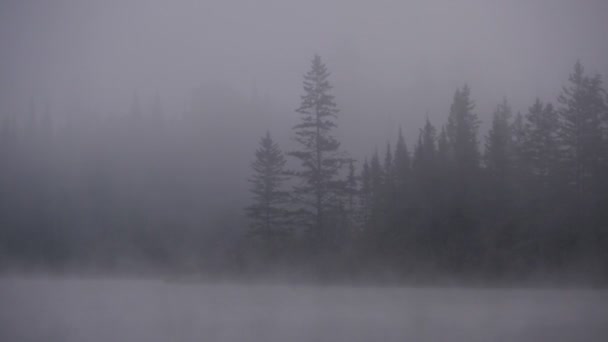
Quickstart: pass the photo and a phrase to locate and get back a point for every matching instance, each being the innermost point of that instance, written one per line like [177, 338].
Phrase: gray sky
[392, 61]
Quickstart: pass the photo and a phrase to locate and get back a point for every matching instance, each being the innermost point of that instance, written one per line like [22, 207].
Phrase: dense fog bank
[408, 142]
[152, 191]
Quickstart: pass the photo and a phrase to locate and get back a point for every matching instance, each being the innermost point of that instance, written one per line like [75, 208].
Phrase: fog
[392, 61]
[303, 170]
[38, 309]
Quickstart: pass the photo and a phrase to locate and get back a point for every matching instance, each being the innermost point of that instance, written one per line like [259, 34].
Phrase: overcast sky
[392, 61]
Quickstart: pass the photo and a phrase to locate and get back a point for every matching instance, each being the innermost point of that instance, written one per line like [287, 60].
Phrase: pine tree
[390, 207]
[443, 153]
[352, 205]
[426, 149]
[443, 165]
[268, 215]
[461, 130]
[520, 167]
[424, 167]
[351, 186]
[388, 163]
[582, 112]
[462, 134]
[519, 136]
[319, 191]
[377, 178]
[498, 234]
[424, 188]
[540, 148]
[583, 143]
[498, 152]
[401, 166]
[365, 195]
[499, 158]
[424, 160]
[403, 197]
[378, 206]
[537, 169]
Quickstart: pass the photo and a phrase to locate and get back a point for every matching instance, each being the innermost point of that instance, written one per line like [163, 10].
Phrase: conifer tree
[377, 219]
[403, 187]
[498, 152]
[426, 148]
[269, 217]
[537, 168]
[499, 159]
[582, 113]
[377, 178]
[424, 167]
[540, 148]
[365, 195]
[320, 190]
[463, 182]
[519, 136]
[443, 164]
[443, 151]
[351, 189]
[583, 157]
[388, 164]
[462, 134]
[401, 165]
[498, 194]
[351, 186]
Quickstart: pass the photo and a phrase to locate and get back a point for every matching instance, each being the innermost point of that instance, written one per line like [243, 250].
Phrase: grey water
[42, 308]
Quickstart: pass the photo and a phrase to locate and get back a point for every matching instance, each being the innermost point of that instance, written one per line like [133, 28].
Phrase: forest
[526, 198]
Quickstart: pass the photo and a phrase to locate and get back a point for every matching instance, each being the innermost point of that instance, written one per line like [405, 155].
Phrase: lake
[38, 308]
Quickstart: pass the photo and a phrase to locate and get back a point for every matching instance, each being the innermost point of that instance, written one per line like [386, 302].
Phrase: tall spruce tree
[582, 113]
[499, 159]
[540, 148]
[443, 154]
[425, 188]
[519, 135]
[365, 195]
[426, 149]
[497, 233]
[541, 199]
[351, 192]
[351, 187]
[464, 244]
[462, 134]
[403, 188]
[269, 218]
[424, 166]
[377, 178]
[583, 157]
[401, 167]
[498, 152]
[320, 190]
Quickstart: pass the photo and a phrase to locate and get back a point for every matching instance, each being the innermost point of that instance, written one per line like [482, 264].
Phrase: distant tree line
[142, 190]
[533, 201]
[149, 190]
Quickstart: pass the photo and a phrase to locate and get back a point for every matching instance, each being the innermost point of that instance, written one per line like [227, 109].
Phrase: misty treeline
[530, 197]
[141, 190]
[83, 189]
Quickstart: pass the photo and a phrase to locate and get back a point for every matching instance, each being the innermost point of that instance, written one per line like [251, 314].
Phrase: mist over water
[321, 170]
[72, 309]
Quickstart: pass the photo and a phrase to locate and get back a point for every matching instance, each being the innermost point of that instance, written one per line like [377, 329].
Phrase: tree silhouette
[319, 191]
[269, 217]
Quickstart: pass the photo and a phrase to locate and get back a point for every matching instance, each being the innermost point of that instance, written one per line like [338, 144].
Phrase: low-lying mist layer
[71, 309]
